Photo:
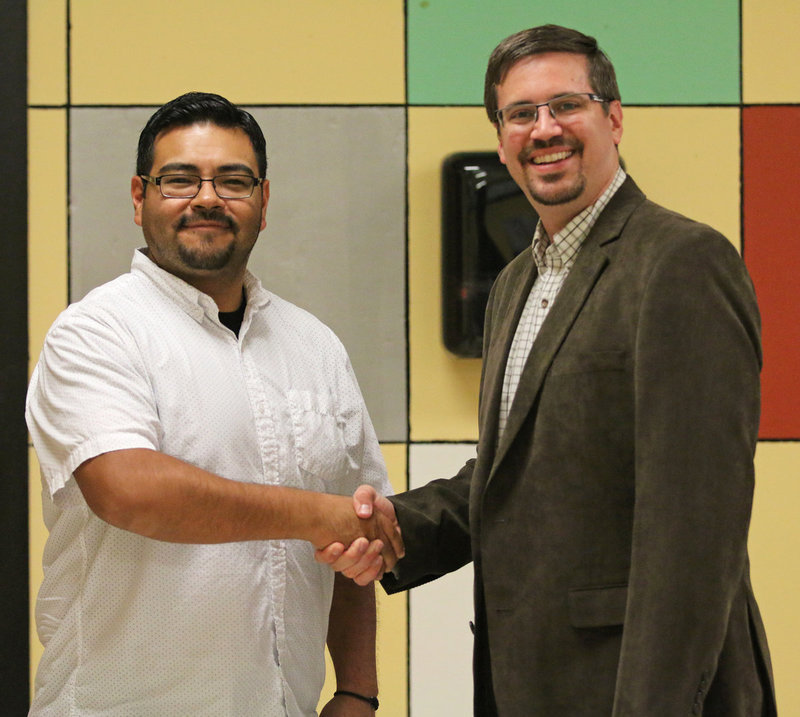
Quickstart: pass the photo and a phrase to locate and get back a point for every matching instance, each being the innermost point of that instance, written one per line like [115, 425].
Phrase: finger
[366, 561]
[392, 534]
[389, 558]
[363, 499]
[395, 540]
[351, 555]
[372, 573]
[329, 554]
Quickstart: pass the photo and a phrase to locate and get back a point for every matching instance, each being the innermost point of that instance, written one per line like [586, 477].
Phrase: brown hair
[548, 38]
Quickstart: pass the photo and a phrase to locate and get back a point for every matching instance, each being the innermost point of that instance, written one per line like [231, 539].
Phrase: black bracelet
[371, 701]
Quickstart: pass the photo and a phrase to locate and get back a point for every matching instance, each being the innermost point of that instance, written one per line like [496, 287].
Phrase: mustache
[209, 215]
[539, 144]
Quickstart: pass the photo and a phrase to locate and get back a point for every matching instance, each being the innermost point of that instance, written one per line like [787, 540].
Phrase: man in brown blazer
[607, 510]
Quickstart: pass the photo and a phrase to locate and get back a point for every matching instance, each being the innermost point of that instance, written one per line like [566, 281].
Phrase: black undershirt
[233, 319]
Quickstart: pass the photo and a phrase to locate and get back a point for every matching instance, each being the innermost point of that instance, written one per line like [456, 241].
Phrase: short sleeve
[89, 394]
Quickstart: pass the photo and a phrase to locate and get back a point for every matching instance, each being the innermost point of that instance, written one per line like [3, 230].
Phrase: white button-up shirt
[135, 626]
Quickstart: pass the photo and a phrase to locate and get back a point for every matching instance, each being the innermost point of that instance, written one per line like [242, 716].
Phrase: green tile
[670, 52]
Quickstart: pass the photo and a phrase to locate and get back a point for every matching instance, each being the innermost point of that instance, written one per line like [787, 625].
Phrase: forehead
[206, 146]
[541, 77]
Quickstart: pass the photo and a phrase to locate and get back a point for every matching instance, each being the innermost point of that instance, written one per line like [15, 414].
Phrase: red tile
[771, 157]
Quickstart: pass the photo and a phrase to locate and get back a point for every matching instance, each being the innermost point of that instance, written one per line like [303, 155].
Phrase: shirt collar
[567, 242]
[193, 301]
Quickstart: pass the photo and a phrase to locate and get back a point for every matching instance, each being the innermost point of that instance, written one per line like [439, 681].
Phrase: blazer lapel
[589, 265]
[496, 357]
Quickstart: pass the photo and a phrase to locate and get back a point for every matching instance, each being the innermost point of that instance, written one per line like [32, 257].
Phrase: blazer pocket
[590, 362]
[597, 606]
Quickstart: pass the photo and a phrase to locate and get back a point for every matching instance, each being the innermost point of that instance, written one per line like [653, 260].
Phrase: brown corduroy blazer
[608, 524]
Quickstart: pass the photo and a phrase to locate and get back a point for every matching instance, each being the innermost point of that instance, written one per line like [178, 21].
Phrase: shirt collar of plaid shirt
[567, 242]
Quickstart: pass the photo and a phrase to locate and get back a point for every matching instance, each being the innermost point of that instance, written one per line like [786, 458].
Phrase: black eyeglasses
[186, 186]
[562, 109]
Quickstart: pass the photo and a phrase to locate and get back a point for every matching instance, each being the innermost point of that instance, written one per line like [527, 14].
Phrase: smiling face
[204, 240]
[562, 166]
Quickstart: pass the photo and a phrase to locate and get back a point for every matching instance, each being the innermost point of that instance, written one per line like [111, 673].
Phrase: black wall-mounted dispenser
[486, 222]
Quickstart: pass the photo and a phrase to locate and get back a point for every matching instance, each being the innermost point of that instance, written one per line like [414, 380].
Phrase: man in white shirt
[192, 430]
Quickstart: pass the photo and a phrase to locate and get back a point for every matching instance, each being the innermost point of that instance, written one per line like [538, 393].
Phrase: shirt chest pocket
[319, 436]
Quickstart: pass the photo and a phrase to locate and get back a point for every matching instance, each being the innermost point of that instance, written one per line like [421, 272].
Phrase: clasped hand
[367, 557]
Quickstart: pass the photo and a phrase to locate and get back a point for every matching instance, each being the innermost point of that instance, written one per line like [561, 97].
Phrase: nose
[207, 196]
[546, 125]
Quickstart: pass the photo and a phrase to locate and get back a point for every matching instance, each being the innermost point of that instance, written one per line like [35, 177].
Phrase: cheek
[508, 152]
[157, 221]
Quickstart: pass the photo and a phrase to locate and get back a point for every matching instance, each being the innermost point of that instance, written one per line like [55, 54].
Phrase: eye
[235, 182]
[565, 106]
[522, 114]
[177, 180]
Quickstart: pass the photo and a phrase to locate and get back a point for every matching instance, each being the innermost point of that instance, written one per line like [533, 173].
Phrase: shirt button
[545, 303]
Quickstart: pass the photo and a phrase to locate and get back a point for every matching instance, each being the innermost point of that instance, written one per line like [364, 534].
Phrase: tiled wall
[360, 101]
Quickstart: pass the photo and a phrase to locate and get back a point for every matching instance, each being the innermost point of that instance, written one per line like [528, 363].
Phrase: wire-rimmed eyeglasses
[187, 186]
[561, 109]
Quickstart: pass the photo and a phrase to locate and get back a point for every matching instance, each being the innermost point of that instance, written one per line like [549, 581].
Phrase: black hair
[199, 108]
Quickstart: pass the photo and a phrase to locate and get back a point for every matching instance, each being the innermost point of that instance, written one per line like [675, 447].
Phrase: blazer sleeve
[435, 518]
[696, 377]
[435, 524]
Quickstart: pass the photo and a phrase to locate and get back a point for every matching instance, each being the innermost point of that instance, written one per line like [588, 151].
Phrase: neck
[555, 217]
[224, 285]
[554, 222]
[228, 297]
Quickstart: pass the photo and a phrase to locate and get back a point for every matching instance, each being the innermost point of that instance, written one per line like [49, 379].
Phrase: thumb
[363, 500]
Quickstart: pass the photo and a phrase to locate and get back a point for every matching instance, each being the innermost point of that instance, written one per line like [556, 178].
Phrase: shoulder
[652, 219]
[295, 321]
[654, 234]
[103, 306]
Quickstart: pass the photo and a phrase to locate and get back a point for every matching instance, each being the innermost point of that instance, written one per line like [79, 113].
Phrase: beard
[564, 195]
[205, 257]
[542, 189]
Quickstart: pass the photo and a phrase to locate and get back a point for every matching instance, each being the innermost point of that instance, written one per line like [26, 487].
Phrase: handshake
[361, 539]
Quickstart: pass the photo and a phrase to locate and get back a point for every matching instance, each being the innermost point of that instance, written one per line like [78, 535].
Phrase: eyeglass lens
[561, 108]
[227, 186]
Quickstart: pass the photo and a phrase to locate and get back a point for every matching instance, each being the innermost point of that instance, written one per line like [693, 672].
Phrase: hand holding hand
[366, 560]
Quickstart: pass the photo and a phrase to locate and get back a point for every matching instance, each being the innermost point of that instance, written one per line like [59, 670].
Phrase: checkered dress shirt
[553, 261]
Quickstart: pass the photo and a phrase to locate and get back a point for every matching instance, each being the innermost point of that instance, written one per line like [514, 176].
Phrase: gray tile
[335, 237]
[102, 162]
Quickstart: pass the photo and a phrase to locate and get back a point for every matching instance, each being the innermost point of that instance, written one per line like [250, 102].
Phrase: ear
[500, 151]
[615, 120]
[264, 202]
[137, 195]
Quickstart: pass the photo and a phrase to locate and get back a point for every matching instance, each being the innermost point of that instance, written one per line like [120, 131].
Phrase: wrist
[370, 700]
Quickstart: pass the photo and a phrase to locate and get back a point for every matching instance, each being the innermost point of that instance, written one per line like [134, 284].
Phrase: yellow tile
[47, 223]
[392, 640]
[775, 570]
[770, 51]
[281, 51]
[444, 388]
[688, 160]
[47, 52]
[37, 536]
[392, 636]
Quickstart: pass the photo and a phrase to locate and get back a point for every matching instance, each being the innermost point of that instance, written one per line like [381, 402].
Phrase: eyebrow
[237, 167]
[554, 97]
